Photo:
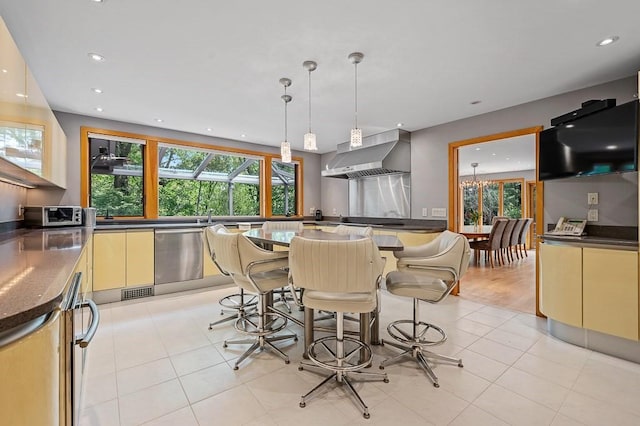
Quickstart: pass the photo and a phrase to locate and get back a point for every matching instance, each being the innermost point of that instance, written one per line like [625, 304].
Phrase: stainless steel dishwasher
[178, 255]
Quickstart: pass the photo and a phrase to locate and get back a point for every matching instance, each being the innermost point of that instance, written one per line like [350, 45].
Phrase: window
[194, 182]
[283, 189]
[116, 176]
[124, 174]
[498, 198]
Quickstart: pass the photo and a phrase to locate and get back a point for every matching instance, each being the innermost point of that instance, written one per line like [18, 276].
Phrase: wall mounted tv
[603, 142]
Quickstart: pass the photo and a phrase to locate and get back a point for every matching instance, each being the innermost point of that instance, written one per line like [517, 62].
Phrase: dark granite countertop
[35, 266]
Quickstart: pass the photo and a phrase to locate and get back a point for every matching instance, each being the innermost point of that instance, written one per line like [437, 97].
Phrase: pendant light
[285, 148]
[356, 133]
[310, 138]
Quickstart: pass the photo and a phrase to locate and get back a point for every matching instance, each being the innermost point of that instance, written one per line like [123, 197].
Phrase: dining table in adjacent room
[283, 238]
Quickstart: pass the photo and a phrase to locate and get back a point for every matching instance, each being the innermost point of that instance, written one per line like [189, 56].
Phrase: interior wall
[527, 175]
[71, 124]
[429, 147]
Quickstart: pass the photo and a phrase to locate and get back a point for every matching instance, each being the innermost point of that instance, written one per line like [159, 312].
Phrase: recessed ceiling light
[158, 120]
[508, 158]
[209, 129]
[568, 126]
[96, 90]
[22, 95]
[4, 71]
[494, 154]
[96, 57]
[607, 41]
[399, 124]
[610, 147]
[98, 1]
[475, 102]
[243, 135]
[99, 109]
[477, 149]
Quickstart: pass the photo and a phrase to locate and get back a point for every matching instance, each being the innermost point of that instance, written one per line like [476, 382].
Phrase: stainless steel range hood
[385, 153]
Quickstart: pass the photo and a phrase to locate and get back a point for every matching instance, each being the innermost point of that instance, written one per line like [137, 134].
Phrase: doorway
[532, 205]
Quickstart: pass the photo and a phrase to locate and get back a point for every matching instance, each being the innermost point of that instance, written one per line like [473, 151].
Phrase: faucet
[209, 216]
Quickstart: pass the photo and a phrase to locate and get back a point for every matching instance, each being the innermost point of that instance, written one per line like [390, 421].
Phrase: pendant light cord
[285, 114]
[356, 97]
[309, 101]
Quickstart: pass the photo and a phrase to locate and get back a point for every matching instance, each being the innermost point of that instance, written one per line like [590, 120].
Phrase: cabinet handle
[84, 339]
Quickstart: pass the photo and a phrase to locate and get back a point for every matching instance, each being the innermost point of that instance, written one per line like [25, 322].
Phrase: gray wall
[71, 124]
[12, 196]
[429, 149]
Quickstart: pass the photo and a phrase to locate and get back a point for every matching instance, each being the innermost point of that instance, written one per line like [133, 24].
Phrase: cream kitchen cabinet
[123, 259]
[561, 283]
[610, 291]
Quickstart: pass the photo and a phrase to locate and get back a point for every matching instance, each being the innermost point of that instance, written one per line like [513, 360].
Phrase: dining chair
[428, 272]
[338, 276]
[491, 246]
[238, 303]
[515, 236]
[256, 271]
[506, 240]
[522, 238]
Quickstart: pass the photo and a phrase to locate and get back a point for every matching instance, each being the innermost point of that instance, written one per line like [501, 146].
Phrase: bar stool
[338, 276]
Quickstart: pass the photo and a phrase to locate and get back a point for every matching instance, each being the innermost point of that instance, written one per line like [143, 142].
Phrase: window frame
[500, 183]
[151, 169]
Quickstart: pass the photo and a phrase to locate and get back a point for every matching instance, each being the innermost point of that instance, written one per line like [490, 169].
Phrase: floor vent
[136, 293]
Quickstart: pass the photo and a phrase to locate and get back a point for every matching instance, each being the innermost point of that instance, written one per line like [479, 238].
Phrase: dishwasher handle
[84, 339]
[178, 231]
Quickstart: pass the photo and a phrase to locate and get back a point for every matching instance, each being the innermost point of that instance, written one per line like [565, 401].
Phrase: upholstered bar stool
[256, 271]
[367, 231]
[283, 225]
[428, 273]
[238, 304]
[338, 276]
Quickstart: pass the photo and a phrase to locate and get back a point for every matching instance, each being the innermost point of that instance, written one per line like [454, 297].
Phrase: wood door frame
[454, 202]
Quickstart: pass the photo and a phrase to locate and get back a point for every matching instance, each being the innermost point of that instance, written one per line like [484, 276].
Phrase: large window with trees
[129, 175]
[116, 176]
[497, 198]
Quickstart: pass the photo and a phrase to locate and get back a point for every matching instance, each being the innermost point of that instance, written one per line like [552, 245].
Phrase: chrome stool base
[237, 305]
[262, 332]
[419, 337]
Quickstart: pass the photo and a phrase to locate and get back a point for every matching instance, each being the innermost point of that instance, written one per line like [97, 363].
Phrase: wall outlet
[592, 198]
[592, 215]
[312, 210]
[20, 210]
[439, 212]
[424, 212]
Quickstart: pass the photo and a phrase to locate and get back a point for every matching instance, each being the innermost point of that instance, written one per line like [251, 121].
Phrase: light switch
[592, 198]
[424, 212]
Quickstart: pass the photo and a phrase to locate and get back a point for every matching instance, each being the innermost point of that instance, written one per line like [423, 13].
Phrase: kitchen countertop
[591, 241]
[35, 266]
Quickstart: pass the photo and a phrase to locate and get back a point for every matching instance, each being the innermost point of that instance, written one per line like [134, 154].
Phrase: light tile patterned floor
[155, 362]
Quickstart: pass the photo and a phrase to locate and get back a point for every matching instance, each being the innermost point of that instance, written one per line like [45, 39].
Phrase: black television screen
[603, 142]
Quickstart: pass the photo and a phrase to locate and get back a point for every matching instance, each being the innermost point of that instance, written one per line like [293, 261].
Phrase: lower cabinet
[610, 291]
[591, 288]
[123, 259]
[561, 283]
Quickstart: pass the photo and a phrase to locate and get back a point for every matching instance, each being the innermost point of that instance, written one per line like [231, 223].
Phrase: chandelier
[475, 182]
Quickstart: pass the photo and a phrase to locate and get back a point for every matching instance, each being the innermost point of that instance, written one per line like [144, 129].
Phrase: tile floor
[154, 362]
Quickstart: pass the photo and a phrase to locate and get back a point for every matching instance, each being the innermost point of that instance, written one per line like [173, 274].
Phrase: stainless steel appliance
[79, 327]
[89, 217]
[178, 255]
[46, 216]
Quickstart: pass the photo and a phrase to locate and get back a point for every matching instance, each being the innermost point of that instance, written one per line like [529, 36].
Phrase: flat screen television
[600, 143]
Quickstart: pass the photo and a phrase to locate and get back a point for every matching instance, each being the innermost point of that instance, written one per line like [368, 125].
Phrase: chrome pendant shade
[285, 147]
[356, 133]
[310, 137]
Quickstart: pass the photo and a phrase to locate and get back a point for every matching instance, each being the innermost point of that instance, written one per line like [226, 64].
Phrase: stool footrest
[418, 334]
[334, 363]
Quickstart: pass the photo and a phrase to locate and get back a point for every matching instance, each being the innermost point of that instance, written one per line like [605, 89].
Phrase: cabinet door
[109, 260]
[561, 283]
[610, 289]
[140, 258]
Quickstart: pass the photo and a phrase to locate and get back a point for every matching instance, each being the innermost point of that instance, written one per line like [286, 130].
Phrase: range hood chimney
[381, 154]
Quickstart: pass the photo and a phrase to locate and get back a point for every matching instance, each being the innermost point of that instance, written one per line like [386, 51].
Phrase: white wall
[12, 196]
[71, 124]
[429, 147]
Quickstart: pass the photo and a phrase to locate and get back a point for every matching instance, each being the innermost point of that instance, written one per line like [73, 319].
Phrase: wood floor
[510, 286]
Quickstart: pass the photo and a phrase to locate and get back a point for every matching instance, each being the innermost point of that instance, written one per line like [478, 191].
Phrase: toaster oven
[48, 216]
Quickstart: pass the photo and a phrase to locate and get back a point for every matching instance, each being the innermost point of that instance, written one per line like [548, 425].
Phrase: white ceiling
[216, 64]
[503, 155]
